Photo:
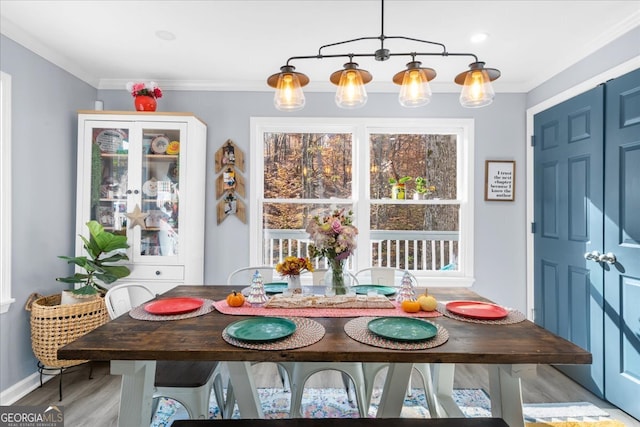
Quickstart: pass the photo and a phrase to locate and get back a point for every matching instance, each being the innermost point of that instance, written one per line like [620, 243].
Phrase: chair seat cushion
[171, 373]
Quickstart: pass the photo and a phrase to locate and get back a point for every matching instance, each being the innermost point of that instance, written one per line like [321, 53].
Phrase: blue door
[621, 264]
[587, 234]
[568, 215]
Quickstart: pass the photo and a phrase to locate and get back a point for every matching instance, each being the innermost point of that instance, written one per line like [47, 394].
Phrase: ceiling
[236, 45]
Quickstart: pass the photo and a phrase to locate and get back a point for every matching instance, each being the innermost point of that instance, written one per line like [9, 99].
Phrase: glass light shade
[289, 95]
[477, 90]
[351, 92]
[415, 90]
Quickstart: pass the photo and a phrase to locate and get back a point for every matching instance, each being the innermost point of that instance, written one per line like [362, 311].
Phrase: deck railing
[410, 250]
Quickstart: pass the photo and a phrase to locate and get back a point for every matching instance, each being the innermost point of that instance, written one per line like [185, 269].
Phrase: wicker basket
[54, 325]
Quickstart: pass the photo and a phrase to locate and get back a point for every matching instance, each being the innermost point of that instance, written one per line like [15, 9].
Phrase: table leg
[443, 374]
[136, 392]
[245, 390]
[506, 391]
[394, 390]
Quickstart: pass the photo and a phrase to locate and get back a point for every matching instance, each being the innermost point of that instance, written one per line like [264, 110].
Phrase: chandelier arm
[444, 48]
[414, 54]
[372, 55]
[347, 41]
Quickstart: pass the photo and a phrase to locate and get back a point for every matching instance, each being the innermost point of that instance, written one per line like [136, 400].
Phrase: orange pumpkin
[235, 299]
[410, 306]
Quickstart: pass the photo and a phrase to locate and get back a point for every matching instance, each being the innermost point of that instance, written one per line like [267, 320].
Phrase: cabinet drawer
[156, 272]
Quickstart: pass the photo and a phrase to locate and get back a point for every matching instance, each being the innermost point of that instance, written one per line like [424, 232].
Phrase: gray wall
[619, 51]
[45, 100]
[500, 232]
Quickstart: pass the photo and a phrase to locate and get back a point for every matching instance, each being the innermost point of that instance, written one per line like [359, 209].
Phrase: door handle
[593, 256]
[609, 258]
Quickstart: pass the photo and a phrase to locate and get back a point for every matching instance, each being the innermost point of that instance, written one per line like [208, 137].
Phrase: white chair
[301, 371]
[390, 276]
[190, 383]
[243, 276]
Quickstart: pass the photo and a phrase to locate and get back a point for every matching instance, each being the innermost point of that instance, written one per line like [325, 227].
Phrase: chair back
[243, 276]
[388, 276]
[122, 298]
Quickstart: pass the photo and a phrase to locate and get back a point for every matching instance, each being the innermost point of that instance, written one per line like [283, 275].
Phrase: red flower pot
[145, 103]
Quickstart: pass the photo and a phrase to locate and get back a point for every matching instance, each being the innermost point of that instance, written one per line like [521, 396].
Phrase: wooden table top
[200, 338]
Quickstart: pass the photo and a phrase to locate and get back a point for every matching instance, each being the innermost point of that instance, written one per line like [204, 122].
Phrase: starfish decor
[137, 217]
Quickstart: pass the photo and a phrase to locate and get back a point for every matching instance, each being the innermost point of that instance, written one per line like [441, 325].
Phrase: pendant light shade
[288, 85]
[415, 90]
[477, 90]
[351, 93]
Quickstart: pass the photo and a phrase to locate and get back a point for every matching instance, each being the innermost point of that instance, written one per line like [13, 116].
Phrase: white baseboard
[22, 388]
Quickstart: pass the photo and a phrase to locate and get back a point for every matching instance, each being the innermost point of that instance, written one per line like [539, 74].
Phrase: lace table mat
[248, 310]
[514, 316]
[358, 330]
[307, 332]
[140, 313]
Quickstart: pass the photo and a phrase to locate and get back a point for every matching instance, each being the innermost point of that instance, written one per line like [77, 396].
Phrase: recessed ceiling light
[165, 35]
[479, 37]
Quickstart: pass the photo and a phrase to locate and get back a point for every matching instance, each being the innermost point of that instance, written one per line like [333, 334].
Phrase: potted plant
[103, 249]
[423, 189]
[398, 187]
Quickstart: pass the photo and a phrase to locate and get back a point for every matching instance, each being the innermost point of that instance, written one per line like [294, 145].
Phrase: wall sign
[229, 162]
[499, 180]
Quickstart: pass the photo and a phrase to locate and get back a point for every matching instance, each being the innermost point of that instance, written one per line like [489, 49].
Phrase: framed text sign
[499, 180]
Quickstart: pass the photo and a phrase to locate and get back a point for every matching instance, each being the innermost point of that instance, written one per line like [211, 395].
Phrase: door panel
[568, 210]
[622, 238]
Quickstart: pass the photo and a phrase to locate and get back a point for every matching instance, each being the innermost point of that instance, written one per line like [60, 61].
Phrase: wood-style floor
[94, 402]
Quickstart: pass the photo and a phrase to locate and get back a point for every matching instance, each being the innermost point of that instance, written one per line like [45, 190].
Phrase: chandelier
[477, 90]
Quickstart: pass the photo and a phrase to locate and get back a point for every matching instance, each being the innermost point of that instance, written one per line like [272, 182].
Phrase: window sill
[5, 305]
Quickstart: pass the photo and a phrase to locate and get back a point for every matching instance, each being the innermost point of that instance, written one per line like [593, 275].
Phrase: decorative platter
[159, 144]
[261, 329]
[402, 328]
[110, 140]
[171, 306]
[275, 287]
[380, 289]
[477, 310]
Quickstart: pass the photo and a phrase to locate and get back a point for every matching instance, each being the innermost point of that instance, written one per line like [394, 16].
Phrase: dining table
[511, 350]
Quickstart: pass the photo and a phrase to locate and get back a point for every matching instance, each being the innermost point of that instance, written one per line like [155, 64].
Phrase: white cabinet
[143, 175]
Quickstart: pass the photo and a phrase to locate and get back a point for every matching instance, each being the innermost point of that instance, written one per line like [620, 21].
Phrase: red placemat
[247, 310]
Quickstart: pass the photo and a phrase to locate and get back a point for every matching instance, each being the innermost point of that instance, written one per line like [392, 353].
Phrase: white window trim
[361, 128]
[5, 195]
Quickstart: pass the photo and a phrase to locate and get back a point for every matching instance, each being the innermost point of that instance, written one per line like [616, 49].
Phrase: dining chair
[243, 276]
[190, 383]
[393, 277]
[351, 372]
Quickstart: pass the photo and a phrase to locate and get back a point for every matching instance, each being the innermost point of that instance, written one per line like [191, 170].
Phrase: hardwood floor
[95, 401]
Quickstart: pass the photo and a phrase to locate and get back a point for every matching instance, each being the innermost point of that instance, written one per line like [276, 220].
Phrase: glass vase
[293, 284]
[337, 279]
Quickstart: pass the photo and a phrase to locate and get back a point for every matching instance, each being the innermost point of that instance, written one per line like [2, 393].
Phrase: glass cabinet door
[137, 166]
[109, 177]
[160, 196]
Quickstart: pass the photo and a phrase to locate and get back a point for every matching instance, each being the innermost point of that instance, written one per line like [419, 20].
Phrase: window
[308, 166]
[5, 192]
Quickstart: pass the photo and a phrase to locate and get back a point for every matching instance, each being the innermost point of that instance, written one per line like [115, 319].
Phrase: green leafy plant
[402, 180]
[423, 187]
[103, 249]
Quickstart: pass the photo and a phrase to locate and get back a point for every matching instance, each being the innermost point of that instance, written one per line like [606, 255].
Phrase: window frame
[361, 129]
[5, 195]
